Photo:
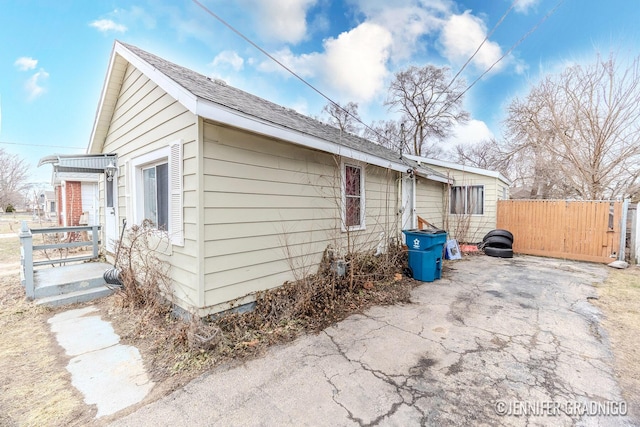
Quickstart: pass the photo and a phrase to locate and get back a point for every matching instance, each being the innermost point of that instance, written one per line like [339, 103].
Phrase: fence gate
[585, 231]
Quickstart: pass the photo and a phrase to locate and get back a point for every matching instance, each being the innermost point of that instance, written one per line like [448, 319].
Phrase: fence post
[26, 243]
[94, 239]
[633, 249]
[623, 230]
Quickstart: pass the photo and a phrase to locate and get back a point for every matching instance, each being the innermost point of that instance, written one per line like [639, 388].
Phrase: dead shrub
[280, 315]
[144, 275]
[323, 298]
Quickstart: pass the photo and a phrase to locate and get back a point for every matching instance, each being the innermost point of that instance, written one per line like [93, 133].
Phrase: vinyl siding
[472, 228]
[146, 119]
[272, 208]
[430, 201]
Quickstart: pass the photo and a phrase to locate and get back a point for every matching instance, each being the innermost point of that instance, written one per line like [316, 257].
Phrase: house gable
[218, 102]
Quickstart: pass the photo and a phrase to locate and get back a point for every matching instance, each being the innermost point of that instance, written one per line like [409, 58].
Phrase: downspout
[399, 233]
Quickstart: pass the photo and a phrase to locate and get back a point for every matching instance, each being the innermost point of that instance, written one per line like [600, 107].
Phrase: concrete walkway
[495, 338]
[108, 374]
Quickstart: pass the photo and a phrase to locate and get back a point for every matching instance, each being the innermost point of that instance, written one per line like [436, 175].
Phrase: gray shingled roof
[246, 103]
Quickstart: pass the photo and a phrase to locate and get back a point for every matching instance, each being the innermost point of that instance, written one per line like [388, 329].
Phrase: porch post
[94, 239]
[26, 249]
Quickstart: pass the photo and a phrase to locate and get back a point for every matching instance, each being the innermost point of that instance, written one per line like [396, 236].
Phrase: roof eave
[229, 117]
[462, 168]
[111, 90]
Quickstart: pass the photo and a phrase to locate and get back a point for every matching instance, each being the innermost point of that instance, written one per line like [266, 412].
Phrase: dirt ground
[619, 300]
[35, 387]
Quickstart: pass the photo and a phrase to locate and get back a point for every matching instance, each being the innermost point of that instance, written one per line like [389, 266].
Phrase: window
[467, 199]
[352, 197]
[155, 187]
[156, 190]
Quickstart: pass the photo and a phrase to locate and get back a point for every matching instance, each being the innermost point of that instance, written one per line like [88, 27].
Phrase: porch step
[74, 297]
[50, 282]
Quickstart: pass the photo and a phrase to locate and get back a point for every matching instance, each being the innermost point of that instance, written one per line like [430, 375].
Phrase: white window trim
[343, 203]
[484, 197]
[137, 164]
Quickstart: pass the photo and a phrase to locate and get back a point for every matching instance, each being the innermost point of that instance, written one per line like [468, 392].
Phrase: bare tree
[385, 132]
[14, 173]
[430, 105]
[581, 130]
[488, 154]
[344, 117]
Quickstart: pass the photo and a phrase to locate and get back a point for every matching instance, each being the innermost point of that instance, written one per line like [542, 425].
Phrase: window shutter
[175, 194]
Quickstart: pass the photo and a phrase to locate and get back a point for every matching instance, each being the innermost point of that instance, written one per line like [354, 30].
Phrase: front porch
[54, 278]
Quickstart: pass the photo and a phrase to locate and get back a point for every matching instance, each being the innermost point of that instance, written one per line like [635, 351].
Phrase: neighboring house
[468, 207]
[249, 192]
[75, 183]
[50, 205]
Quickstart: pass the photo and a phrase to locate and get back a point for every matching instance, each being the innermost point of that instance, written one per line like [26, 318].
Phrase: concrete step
[67, 279]
[74, 297]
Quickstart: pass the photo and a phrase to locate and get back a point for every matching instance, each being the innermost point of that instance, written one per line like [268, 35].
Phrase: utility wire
[293, 73]
[516, 44]
[41, 145]
[533, 29]
[489, 34]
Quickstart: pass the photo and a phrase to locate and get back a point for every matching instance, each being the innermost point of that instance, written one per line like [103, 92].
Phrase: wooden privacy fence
[578, 230]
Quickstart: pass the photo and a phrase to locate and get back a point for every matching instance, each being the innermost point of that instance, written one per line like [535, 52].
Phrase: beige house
[250, 193]
[467, 207]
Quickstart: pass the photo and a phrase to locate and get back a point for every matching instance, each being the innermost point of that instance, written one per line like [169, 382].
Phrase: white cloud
[461, 36]
[280, 20]
[34, 84]
[228, 58]
[106, 25]
[135, 15]
[355, 62]
[25, 63]
[472, 132]
[523, 6]
[305, 65]
[407, 21]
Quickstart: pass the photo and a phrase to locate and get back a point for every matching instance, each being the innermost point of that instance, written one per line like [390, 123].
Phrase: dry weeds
[173, 348]
[35, 388]
[619, 299]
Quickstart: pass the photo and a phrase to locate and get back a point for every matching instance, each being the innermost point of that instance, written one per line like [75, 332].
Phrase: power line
[42, 145]
[516, 44]
[268, 55]
[489, 34]
[255, 45]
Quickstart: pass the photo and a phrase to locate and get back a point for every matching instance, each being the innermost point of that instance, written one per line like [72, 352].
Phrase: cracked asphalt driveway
[496, 335]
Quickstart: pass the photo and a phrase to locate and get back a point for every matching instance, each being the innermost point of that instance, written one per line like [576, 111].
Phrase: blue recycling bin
[425, 253]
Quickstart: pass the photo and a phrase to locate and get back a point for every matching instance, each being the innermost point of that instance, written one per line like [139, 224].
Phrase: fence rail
[27, 248]
[579, 230]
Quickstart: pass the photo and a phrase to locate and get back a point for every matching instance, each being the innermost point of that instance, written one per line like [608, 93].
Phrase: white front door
[408, 202]
[111, 215]
[90, 201]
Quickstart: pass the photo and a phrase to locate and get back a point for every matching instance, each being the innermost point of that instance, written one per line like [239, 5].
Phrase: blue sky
[54, 54]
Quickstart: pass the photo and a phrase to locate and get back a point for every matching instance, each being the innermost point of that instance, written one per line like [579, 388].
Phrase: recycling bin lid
[430, 231]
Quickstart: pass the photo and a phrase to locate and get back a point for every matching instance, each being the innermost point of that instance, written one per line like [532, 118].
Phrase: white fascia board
[103, 95]
[456, 166]
[226, 116]
[179, 93]
[437, 178]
